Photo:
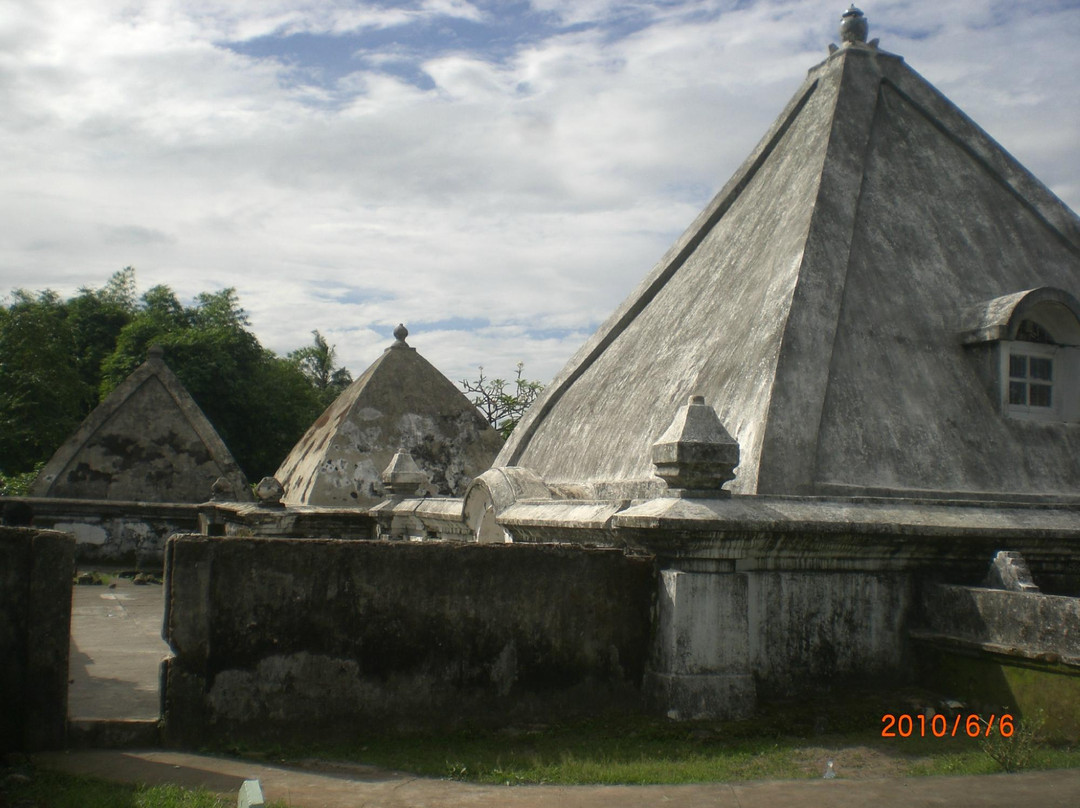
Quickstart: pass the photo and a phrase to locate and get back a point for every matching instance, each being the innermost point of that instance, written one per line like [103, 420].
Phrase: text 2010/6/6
[938, 726]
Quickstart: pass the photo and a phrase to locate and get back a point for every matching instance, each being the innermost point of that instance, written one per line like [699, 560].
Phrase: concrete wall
[1003, 651]
[322, 638]
[36, 568]
[810, 627]
[114, 531]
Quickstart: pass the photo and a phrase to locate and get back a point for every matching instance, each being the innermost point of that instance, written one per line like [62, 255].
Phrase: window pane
[1040, 395]
[1042, 368]
[1017, 393]
[1017, 366]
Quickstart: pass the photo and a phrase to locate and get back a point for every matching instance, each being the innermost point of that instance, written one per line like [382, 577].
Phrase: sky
[496, 175]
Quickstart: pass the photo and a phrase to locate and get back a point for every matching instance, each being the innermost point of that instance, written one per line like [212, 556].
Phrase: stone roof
[401, 402]
[146, 441]
[817, 304]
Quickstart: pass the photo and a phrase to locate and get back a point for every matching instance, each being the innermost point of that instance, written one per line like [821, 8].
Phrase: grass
[54, 790]
[784, 741]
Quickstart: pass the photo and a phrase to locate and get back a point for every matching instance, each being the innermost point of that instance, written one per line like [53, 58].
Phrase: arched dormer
[1035, 335]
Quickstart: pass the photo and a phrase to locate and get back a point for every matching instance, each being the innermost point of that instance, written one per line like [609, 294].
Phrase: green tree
[502, 407]
[42, 397]
[58, 358]
[317, 364]
[259, 404]
[96, 318]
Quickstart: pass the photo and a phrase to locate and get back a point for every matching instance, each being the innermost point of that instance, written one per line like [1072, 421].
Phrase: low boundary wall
[1000, 650]
[318, 638]
[114, 531]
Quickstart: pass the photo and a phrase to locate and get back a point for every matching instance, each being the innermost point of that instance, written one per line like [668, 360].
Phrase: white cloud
[527, 193]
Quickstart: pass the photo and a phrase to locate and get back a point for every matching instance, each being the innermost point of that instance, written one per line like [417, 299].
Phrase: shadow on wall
[313, 638]
[36, 567]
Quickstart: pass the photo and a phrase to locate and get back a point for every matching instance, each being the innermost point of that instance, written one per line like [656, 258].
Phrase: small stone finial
[403, 477]
[853, 26]
[269, 492]
[1010, 571]
[222, 491]
[155, 352]
[399, 336]
[696, 455]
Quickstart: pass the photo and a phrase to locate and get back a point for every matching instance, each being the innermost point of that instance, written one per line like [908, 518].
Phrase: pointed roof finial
[399, 336]
[155, 352]
[403, 477]
[696, 455]
[853, 26]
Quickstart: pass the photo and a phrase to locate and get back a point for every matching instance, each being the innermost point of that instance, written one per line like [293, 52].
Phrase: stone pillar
[700, 664]
[700, 667]
[402, 479]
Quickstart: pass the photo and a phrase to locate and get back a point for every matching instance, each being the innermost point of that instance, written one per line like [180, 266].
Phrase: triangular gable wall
[146, 441]
[400, 401]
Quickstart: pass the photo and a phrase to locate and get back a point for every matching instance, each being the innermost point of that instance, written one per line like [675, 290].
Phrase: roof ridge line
[668, 265]
[813, 290]
[986, 164]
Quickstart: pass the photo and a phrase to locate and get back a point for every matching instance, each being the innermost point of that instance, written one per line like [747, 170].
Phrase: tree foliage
[502, 403]
[317, 364]
[59, 358]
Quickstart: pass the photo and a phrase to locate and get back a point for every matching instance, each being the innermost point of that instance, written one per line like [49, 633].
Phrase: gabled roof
[146, 441]
[401, 402]
[816, 304]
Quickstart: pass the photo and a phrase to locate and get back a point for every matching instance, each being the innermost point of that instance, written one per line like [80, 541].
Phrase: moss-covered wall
[36, 567]
[321, 638]
[999, 651]
[991, 683]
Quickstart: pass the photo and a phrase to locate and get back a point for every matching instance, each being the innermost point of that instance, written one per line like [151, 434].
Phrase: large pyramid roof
[401, 402]
[817, 304]
[146, 441]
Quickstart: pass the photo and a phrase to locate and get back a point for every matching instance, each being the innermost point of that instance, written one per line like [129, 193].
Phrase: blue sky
[497, 175]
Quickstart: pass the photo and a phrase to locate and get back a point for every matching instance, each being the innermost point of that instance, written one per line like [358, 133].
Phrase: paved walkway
[116, 649]
[323, 785]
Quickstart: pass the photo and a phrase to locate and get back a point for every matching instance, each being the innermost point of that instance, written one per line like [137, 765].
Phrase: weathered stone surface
[696, 455]
[1028, 624]
[291, 522]
[269, 492]
[1010, 571]
[1002, 651]
[115, 531]
[36, 568]
[316, 637]
[817, 304]
[403, 478]
[700, 666]
[147, 441]
[400, 402]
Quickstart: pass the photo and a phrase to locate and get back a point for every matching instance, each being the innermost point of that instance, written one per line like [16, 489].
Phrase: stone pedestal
[701, 658]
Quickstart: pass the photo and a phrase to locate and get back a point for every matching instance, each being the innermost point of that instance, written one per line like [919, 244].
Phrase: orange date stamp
[905, 725]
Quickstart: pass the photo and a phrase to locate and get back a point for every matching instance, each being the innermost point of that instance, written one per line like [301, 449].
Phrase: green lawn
[53, 790]
[784, 741]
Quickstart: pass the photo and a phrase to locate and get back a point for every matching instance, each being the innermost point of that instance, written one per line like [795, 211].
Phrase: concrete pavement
[116, 649]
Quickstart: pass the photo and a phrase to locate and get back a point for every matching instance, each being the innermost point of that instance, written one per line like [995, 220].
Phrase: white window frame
[1064, 384]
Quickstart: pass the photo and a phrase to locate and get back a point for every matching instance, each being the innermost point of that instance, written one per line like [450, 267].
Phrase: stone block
[251, 795]
[1010, 571]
